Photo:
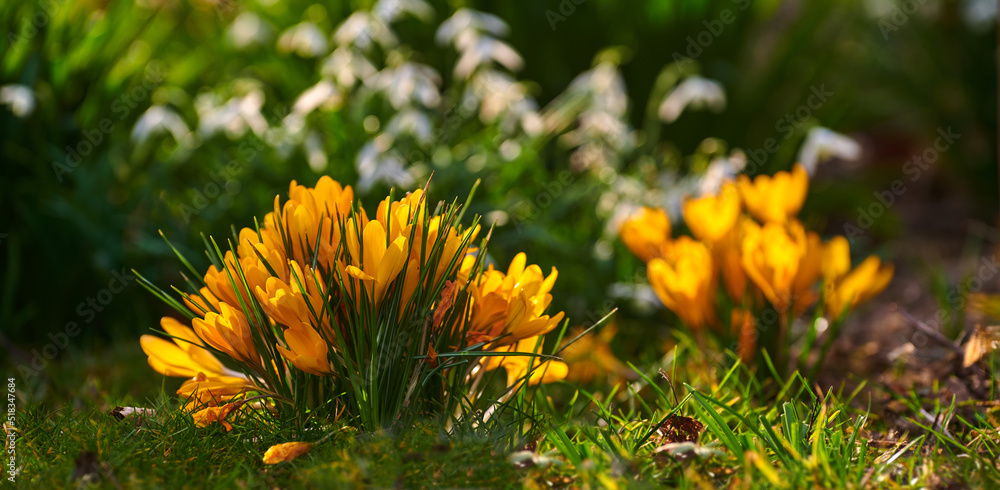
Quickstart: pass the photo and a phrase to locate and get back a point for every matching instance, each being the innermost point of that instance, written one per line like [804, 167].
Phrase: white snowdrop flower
[364, 30]
[304, 39]
[412, 122]
[720, 170]
[480, 50]
[348, 66]
[979, 14]
[409, 82]
[250, 106]
[19, 98]
[467, 20]
[234, 117]
[323, 94]
[599, 126]
[159, 119]
[376, 166]
[390, 10]
[822, 144]
[249, 29]
[506, 100]
[605, 86]
[608, 89]
[315, 153]
[694, 92]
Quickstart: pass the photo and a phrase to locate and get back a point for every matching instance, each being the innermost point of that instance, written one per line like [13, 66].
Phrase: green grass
[757, 434]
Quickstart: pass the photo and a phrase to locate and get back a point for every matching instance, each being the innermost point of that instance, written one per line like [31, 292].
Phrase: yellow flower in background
[836, 258]
[684, 280]
[804, 292]
[848, 291]
[646, 233]
[775, 199]
[286, 451]
[228, 331]
[542, 372]
[710, 218]
[307, 349]
[590, 357]
[728, 254]
[744, 326]
[510, 307]
[771, 258]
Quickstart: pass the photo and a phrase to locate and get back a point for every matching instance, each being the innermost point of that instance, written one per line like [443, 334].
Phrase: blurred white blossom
[160, 119]
[721, 169]
[411, 122]
[505, 100]
[822, 144]
[694, 92]
[409, 82]
[481, 50]
[364, 30]
[348, 66]
[378, 163]
[249, 29]
[605, 86]
[323, 94]
[315, 153]
[234, 117]
[304, 39]
[19, 98]
[979, 14]
[390, 10]
[466, 21]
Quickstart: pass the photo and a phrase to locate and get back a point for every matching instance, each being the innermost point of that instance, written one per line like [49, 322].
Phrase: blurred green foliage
[94, 69]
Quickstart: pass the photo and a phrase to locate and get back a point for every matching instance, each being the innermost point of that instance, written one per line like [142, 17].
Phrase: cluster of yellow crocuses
[747, 238]
[290, 303]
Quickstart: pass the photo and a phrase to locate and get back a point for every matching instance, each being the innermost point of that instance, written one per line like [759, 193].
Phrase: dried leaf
[678, 428]
[982, 342]
[447, 300]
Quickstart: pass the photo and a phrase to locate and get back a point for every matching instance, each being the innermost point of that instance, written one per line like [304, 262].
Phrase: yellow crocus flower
[710, 218]
[771, 258]
[646, 233]
[510, 307]
[684, 280]
[228, 331]
[516, 366]
[810, 268]
[775, 199]
[183, 357]
[728, 253]
[307, 349]
[865, 281]
[378, 264]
